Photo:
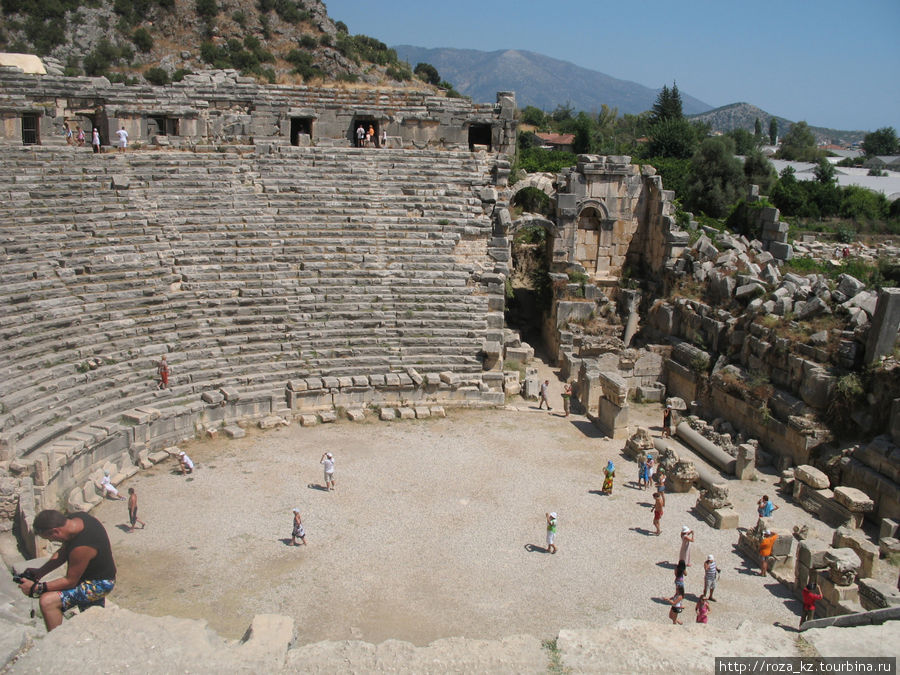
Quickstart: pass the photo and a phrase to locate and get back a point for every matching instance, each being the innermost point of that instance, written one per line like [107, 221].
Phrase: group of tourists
[76, 137]
[298, 531]
[366, 137]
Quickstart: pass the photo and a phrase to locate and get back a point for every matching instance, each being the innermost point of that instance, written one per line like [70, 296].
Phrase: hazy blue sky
[833, 63]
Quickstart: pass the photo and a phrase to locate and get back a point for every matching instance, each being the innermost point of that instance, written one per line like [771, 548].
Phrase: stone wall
[214, 107]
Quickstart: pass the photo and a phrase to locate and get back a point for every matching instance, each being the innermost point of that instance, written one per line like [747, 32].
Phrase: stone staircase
[247, 269]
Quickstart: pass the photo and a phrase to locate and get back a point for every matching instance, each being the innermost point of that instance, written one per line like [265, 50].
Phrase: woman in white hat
[687, 538]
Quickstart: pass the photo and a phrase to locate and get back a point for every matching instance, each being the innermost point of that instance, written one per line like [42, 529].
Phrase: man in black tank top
[91, 571]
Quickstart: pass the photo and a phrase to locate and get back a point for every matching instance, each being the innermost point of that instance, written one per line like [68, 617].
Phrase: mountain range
[545, 83]
[538, 80]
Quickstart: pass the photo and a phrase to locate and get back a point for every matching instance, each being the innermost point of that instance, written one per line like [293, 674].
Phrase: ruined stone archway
[532, 238]
[593, 237]
[541, 181]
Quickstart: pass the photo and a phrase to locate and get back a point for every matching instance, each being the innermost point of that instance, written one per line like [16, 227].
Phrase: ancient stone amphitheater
[285, 273]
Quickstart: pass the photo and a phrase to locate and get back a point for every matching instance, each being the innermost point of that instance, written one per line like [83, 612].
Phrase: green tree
[757, 130]
[773, 131]
[207, 9]
[533, 116]
[824, 172]
[880, 142]
[717, 178]
[668, 105]
[744, 141]
[799, 144]
[142, 39]
[427, 73]
[584, 127]
[759, 171]
[562, 112]
[672, 138]
[787, 194]
[157, 76]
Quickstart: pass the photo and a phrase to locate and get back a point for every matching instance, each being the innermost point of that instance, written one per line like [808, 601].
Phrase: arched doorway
[593, 239]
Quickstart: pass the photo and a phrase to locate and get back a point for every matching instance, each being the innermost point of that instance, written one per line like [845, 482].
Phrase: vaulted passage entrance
[299, 126]
[30, 129]
[479, 134]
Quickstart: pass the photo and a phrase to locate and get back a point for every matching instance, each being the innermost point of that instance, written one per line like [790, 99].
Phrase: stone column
[885, 322]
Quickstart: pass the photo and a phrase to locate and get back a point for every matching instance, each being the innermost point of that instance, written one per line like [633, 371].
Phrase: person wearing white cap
[687, 538]
[187, 466]
[327, 462]
[710, 577]
[551, 532]
[107, 487]
[298, 531]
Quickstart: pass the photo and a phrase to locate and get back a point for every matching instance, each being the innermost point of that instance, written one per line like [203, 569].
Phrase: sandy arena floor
[436, 529]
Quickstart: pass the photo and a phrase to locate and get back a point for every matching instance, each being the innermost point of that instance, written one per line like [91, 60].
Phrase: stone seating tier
[248, 270]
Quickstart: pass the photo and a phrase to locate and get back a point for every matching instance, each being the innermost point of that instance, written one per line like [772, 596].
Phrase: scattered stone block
[855, 501]
[387, 414]
[888, 528]
[422, 412]
[270, 422]
[233, 431]
[328, 416]
[356, 414]
[874, 594]
[438, 411]
[843, 565]
[888, 546]
[158, 456]
[308, 420]
[811, 476]
[406, 413]
[231, 394]
[212, 397]
[811, 553]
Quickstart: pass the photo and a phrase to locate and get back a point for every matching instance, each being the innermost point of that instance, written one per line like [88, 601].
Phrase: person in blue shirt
[765, 508]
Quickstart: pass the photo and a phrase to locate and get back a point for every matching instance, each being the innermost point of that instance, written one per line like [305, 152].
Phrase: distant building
[561, 142]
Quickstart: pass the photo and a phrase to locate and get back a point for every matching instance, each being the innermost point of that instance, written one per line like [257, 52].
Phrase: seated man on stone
[108, 488]
[90, 572]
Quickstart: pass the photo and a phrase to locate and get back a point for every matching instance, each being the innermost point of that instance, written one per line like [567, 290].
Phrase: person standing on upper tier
[95, 140]
[123, 139]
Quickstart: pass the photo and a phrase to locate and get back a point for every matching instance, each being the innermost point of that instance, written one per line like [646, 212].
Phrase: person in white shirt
[327, 462]
[187, 466]
[123, 139]
[108, 488]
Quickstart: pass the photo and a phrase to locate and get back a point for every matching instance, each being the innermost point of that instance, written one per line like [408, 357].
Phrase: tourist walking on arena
[187, 466]
[765, 508]
[544, 394]
[162, 369]
[765, 550]
[90, 571]
[609, 473]
[677, 606]
[710, 577]
[667, 422]
[298, 531]
[95, 140]
[810, 595]
[132, 510]
[642, 464]
[648, 470]
[327, 462]
[702, 610]
[687, 538]
[680, 573]
[123, 139]
[658, 503]
[551, 532]
[566, 396]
